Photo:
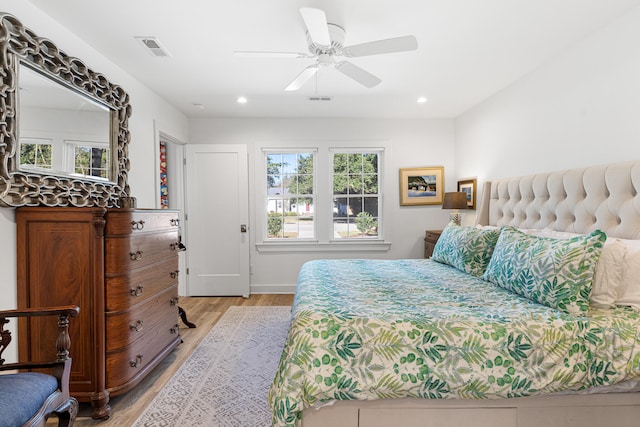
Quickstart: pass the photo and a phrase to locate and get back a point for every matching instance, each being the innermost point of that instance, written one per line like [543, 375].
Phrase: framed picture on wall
[468, 186]
[421, 186]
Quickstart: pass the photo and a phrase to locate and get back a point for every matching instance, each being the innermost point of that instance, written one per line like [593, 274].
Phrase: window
[290, 195]
[356, 196]
[90, 159]
[327, 199]
[35, 153]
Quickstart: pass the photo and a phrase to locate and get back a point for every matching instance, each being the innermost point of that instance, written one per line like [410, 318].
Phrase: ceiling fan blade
[302, 78]
[316, 23]
[263, 54]
[358, 74]
[398, 44]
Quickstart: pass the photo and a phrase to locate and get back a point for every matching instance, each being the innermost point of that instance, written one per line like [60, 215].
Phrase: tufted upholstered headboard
[605, 197]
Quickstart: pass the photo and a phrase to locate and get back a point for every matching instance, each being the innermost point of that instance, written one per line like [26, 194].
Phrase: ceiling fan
[326, 41]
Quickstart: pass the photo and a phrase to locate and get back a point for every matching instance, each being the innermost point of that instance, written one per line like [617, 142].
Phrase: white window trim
[381, 169]
[296, 150]
[69, 146]
[324, 242]
[331, 246]
[37, 141]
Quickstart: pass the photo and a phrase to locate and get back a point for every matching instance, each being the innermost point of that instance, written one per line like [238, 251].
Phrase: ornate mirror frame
[19, 188]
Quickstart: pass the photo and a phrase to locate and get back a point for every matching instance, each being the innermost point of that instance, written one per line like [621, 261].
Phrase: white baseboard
[273, 289]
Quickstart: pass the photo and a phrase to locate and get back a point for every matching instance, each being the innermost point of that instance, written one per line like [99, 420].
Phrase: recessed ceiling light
[241, 100]
[198, 106]
[421, 100]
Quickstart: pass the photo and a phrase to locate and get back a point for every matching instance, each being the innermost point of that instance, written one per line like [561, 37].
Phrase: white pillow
[487, 227]
[610, 270]
[629, 291]
[547, 232]
[609, 274]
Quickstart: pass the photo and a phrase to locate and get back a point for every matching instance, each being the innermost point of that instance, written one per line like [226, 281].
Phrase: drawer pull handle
[137, 225]
[134, 363]
[175, 329]
[137, 291]
[175, 246]
[175, 222]
[174, 301]
[174, 274]
[135, 256]
[136, 326]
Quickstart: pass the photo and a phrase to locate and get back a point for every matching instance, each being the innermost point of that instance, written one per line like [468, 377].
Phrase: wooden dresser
[120, 266]
[430, 239]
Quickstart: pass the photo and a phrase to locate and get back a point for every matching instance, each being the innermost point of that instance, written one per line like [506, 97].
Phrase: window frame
[379, 195]
[70, 146]
[37, 142]
[266, 197]
[323, 201]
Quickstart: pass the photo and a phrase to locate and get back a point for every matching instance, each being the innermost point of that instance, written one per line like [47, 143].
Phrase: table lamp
[455, 200]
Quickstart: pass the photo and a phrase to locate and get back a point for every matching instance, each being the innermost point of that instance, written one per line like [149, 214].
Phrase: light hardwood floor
[204, 312]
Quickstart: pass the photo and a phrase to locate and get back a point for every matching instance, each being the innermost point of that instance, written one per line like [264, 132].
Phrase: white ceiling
[467, 50]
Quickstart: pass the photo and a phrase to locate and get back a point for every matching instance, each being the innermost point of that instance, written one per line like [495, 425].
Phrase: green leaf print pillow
[555, 272]
[468, 249]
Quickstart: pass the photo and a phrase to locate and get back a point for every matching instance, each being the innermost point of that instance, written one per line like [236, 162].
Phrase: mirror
[63, 128]
[60, 131]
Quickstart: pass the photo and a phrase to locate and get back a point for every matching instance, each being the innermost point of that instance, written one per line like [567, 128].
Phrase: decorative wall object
[20, 48]
[468, 186]
[421, 186]
[164, 188]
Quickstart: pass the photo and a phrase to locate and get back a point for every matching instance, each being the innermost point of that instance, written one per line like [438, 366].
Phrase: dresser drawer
[123, 365]
[126, 327]
[126, 253]
[124, 222]
[136, 286]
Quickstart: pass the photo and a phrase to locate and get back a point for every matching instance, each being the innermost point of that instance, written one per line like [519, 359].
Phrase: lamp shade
[455, 200]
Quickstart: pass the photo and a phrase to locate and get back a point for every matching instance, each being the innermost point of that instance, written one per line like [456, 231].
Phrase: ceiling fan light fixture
[325, 41]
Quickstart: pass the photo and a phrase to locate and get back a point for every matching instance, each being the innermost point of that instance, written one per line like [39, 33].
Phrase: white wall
[151, 114]
[581, 109]
[409, 143]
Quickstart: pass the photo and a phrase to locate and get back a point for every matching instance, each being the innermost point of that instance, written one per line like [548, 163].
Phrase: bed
[530, 318]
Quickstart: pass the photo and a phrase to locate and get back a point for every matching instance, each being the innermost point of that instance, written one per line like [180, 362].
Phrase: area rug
[224, 383]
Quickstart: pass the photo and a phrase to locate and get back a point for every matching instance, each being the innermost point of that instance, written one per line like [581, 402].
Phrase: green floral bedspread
[379, 329]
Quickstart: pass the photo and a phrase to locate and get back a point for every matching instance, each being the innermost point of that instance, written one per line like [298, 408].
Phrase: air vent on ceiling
[154, 47]
[320, 98]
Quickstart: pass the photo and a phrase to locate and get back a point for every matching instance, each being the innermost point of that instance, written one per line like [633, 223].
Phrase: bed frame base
[595, 410]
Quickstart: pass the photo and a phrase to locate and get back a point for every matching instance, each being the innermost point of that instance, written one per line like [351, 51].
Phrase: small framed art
[468, 187]
[421, 186]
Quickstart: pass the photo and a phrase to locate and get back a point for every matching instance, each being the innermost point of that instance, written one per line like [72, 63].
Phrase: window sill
[371, 246]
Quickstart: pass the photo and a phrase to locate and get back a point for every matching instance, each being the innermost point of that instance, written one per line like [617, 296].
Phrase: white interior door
[217, 220]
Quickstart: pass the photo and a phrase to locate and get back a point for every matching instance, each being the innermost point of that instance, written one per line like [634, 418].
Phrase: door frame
[177, 196]
[222, 147]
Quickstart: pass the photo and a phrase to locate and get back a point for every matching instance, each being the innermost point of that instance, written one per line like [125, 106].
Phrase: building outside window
[290, 195]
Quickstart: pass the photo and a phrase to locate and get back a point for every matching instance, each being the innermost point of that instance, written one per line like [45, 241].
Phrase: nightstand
[430, 239]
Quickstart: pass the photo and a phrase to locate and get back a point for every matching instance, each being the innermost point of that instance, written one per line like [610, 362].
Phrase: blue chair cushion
[22, 394]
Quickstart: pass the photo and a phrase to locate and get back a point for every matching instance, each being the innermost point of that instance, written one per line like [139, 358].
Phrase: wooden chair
[29, 398]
